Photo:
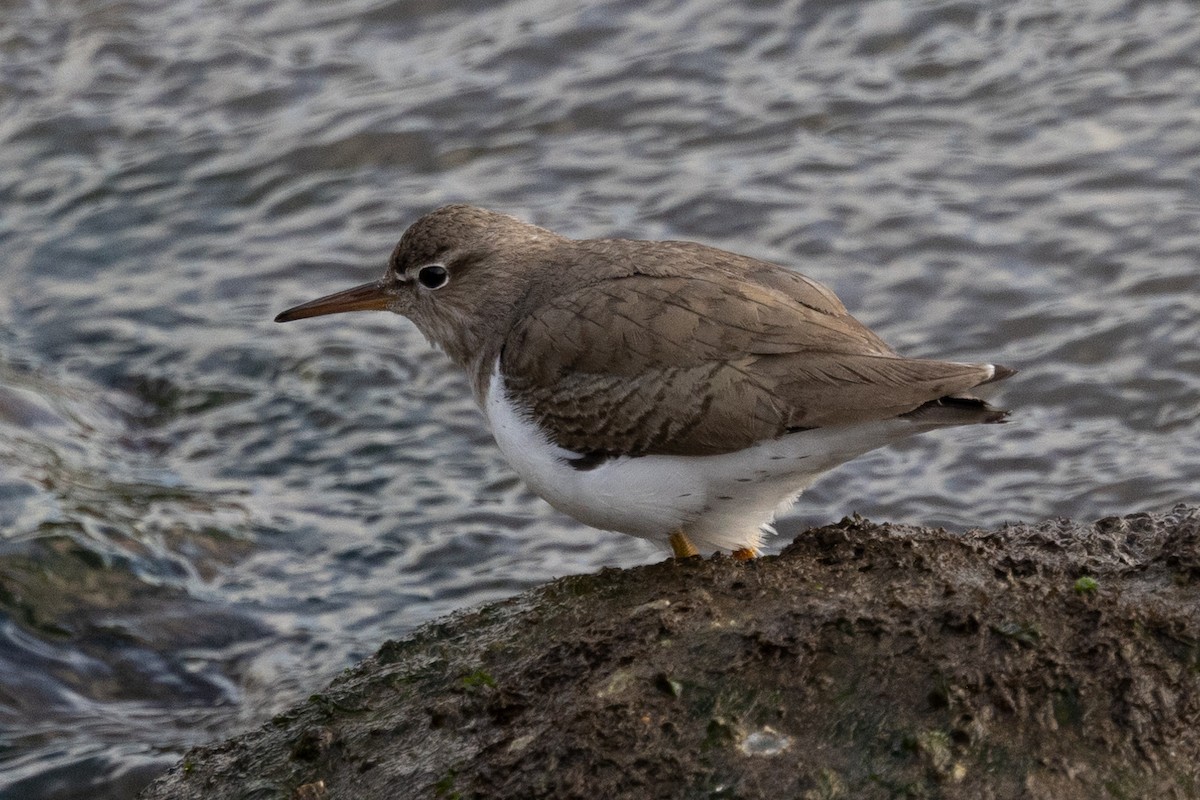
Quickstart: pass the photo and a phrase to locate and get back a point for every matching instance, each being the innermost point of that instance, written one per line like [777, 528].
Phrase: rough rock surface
[866, 661]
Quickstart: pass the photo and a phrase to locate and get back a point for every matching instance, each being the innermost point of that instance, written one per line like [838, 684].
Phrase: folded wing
[709, 363]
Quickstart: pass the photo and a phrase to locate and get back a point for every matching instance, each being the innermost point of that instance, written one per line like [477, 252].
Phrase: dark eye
[433, 276]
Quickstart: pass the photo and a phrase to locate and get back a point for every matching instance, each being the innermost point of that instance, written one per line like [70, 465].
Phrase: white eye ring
[433, 276]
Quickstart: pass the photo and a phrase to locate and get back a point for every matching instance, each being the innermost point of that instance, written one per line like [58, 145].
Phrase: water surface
[204, 516]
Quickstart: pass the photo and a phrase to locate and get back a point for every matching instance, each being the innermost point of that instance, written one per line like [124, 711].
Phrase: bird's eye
[433, 276]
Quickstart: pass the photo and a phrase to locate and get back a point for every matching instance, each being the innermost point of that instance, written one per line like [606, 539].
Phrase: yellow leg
[682, 546]
[744, 553]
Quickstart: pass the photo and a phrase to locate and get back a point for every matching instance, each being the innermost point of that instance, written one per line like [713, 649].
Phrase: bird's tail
[963, 409]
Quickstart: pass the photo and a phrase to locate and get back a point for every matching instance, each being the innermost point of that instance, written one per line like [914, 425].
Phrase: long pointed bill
[368, 297]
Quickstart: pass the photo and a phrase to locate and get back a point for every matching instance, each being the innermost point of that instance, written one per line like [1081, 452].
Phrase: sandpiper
[667, 390]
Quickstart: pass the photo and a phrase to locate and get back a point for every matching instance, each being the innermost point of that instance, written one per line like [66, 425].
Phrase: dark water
[204, 516]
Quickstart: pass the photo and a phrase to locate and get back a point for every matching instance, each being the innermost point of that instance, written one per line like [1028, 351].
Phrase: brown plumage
[704, 352]
[633, 348]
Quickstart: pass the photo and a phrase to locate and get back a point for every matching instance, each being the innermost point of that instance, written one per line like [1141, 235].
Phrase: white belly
[723, 502]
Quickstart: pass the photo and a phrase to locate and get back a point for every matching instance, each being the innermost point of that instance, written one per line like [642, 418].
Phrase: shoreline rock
[1056, 660]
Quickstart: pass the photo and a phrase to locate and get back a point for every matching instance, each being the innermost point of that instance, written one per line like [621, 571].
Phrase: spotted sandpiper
[667, 390]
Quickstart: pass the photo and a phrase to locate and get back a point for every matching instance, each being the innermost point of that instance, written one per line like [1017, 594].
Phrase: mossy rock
[865, 661]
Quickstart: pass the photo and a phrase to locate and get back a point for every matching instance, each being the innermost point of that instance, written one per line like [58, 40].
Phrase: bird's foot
[682, 546]
[744, 553]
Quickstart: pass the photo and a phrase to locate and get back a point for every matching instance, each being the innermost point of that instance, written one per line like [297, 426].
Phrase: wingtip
[1000, 372]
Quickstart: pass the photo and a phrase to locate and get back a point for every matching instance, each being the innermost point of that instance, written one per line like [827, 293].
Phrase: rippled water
[204, 516]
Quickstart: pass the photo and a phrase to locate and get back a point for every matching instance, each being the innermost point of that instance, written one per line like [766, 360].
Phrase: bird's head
[458, 273]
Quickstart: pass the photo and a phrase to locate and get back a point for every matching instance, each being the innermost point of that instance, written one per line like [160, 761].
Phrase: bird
[669, 390]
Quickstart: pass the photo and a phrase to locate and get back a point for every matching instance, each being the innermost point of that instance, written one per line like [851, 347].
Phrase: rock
[865, 661]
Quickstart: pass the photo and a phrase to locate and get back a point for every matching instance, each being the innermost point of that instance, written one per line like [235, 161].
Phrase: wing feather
[696, 365]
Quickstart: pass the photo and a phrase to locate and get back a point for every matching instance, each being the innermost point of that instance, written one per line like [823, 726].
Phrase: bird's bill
[368, 297]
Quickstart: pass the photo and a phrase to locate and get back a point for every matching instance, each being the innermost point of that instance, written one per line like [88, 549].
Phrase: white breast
[723, 502]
